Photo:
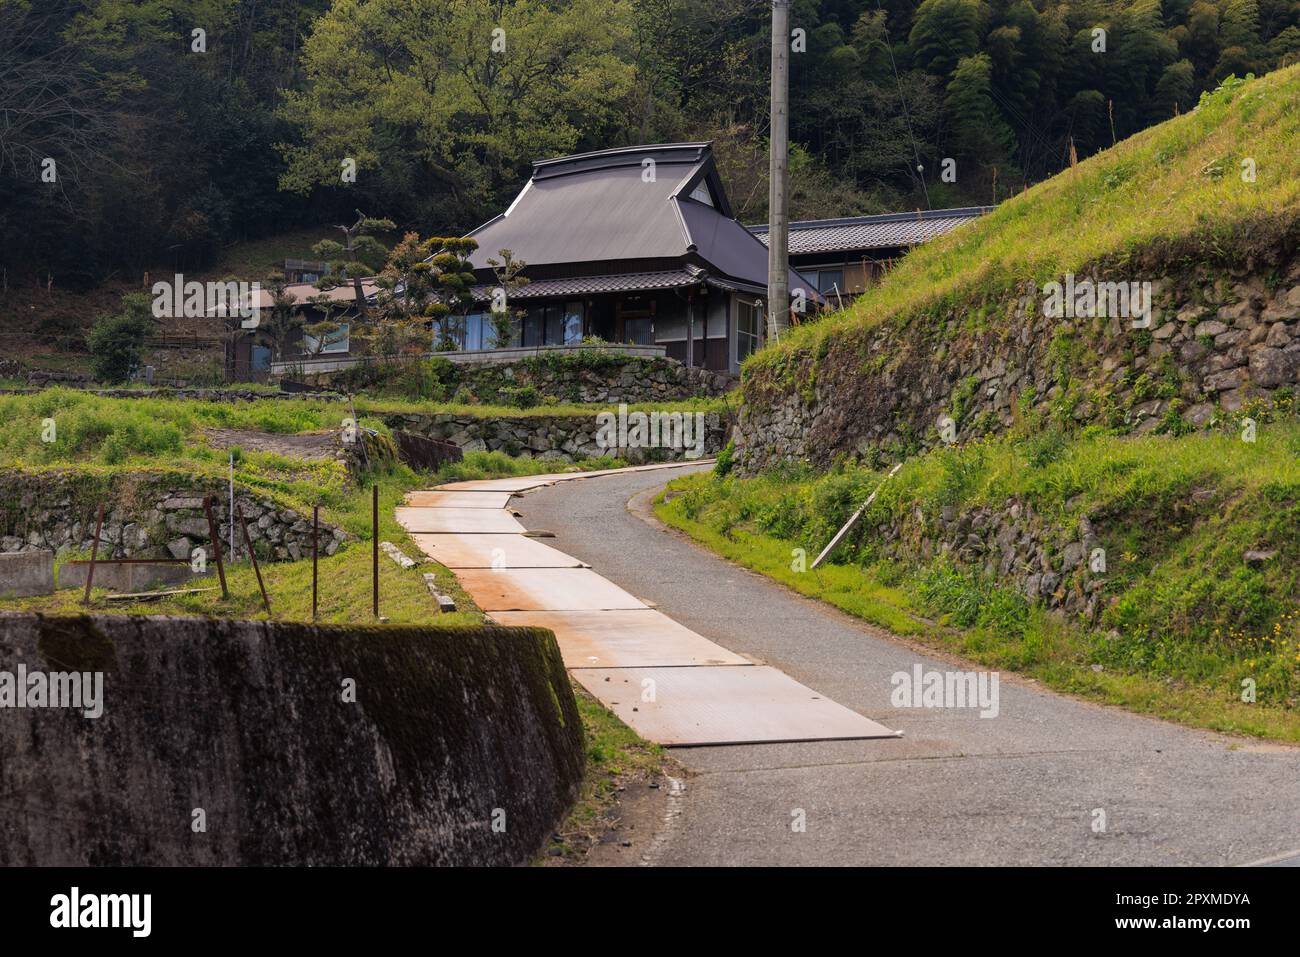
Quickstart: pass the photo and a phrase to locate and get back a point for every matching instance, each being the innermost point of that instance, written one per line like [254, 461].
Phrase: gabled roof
[587, 211]
[887, 231]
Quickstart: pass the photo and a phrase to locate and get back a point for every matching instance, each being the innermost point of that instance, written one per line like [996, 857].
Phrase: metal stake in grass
[374, 542]
[315, 528]
[853, 519]
[94, 554]
[216, 544]
[248, 543]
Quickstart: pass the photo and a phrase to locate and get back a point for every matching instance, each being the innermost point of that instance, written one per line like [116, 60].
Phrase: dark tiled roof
[872, 232]
[596, 208]
[590, 285]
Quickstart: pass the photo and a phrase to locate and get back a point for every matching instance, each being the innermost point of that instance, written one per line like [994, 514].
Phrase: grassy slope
[1176, 186]
[94, 431]
[1185, 619]
[165, 434]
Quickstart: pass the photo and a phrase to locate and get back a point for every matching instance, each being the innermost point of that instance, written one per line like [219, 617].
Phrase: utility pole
[778, 195]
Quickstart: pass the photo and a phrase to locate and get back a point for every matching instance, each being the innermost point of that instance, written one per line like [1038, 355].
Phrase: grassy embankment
[168, 436]
[1185, 619]
[107, 435]
[1174, 192]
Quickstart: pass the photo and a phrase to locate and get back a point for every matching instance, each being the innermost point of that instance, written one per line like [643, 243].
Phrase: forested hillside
[176, 127]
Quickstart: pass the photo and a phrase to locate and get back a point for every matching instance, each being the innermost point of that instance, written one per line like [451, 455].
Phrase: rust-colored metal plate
[519, 484]
[523, 483]
[485, 551]
[623, 639]
[726, 705]
[471, 499]
[567, 476]
[543, 589]
[463, 520]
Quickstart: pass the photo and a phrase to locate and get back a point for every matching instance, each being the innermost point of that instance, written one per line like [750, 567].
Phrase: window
[670, 329]
[534, 325]
[717, 317]
[554, 325]
[473, 331]
[336, 341]
[828, 280]
[573, 315]
[747, 328]
[701, 193]
[640, 332]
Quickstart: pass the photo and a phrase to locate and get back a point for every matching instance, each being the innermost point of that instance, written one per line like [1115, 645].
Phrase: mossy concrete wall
[451, 732]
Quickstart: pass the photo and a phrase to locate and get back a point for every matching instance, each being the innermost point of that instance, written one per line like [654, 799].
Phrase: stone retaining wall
[148, 515]
[1218, 344]
[1014, 545]
[564, 376]
[561, 438]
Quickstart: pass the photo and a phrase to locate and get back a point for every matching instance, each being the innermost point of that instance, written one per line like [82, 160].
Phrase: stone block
[23, 574]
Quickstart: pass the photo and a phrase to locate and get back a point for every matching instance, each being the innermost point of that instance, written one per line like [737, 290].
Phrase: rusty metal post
[248, 543]
[374, 543]
[315, 528]
[94, 554]
[216, 545]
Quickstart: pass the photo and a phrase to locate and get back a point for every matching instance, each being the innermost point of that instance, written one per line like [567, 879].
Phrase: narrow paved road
[1023, 788]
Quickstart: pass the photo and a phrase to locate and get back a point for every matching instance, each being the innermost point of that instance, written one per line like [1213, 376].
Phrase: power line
[907, 117]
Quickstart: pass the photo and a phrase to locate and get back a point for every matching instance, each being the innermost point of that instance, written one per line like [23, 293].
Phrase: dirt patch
[631, 829]
[307, 446]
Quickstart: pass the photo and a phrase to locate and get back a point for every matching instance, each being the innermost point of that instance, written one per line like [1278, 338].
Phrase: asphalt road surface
[1050, 780]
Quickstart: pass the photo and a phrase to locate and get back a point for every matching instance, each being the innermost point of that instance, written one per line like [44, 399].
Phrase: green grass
[108, 434]
[344, 578]
[1184, 618]
[1175, 188]
[163, 439]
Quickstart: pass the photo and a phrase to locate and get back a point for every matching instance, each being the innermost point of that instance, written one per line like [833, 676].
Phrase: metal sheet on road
[523, 483]
[431, 499]
[567, 476]
[543, 589]
[466, 520]
[723, 705]
[484, 551]
[623, 639]
[494, 485]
